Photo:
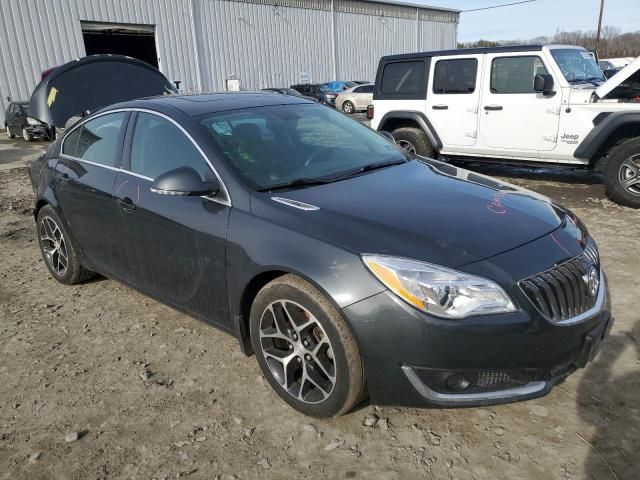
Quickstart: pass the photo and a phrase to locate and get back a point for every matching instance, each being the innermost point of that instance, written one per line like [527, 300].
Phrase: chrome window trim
[89, 162]
[224, 201]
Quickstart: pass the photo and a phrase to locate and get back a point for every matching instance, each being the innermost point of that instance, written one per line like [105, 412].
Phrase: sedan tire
[58, 251]
[348, 107]
[305, 349]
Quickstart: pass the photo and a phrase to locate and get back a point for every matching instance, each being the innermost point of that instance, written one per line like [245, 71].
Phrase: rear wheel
[9, 134]
[348, 107]
[305, 349]
[414, 140]
[26, 135]
[622, 174]
[59, 253]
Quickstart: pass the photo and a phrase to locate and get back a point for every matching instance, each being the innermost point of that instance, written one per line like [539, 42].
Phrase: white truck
[529, 104]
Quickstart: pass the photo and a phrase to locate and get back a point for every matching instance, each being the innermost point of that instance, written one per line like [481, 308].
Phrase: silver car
[355, 99]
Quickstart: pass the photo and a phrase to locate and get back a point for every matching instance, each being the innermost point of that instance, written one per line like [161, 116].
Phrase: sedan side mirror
[387, 135]
[543, 82]
[184, 181]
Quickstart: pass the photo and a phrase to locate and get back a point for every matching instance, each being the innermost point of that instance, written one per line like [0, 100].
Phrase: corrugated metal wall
[204, 42]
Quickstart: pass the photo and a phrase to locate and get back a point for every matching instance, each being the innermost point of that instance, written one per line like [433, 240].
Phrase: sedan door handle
[440, 107]
[127, 204]
[493, 107]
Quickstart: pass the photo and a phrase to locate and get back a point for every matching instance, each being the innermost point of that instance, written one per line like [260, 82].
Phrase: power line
[498, 6]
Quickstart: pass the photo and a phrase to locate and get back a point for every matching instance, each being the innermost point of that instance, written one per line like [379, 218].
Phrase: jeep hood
[93, 82]
[630, 72]
[431, 211]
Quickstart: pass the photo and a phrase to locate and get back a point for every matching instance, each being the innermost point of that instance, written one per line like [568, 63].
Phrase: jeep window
[577, 66]
[455, 76]
[403, 78]
[515, 74]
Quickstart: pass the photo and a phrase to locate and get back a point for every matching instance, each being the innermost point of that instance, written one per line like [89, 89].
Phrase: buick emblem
[592, 280]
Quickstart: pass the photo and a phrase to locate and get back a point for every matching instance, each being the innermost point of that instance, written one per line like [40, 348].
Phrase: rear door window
[455, 76]
[96, 140]
[403, 78]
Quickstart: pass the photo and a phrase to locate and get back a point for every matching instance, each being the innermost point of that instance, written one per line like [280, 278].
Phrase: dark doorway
[137, 41]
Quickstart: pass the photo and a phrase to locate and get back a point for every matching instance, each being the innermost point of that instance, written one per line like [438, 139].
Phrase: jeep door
[513, 117]
[453, 96]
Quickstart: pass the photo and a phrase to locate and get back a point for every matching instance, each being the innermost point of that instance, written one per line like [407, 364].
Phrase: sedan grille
[568, 289]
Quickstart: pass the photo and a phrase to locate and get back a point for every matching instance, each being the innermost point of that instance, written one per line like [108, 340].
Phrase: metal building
[211, 44]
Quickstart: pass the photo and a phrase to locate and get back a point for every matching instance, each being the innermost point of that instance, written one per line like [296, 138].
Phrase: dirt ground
[152, 393]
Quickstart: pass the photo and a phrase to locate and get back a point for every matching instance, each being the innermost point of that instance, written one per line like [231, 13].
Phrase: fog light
[457, 382]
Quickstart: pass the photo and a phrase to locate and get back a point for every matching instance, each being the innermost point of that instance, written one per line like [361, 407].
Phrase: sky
[541, 17]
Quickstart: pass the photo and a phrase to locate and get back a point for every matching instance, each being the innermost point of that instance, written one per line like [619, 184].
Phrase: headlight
[437, 290]
[33, 121]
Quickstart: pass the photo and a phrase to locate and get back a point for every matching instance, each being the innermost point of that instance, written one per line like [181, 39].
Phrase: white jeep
[527, 104]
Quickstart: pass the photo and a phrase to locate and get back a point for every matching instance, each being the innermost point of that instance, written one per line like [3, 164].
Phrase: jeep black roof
[465, 51]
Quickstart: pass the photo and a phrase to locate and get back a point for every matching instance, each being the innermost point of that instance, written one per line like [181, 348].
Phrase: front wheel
[622, 174]
[26, 135]
[305, 348]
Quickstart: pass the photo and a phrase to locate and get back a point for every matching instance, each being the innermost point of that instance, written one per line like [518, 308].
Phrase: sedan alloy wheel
[297, 351]
[54, 246]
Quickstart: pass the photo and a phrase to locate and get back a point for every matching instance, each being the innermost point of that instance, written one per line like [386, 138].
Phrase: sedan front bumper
[413, 359]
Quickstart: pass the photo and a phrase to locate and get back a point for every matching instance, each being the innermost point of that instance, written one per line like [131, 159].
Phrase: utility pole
[599, 27]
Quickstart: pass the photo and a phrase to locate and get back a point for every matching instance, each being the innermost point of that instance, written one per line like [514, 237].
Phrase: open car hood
[93, 82]
[623, 75]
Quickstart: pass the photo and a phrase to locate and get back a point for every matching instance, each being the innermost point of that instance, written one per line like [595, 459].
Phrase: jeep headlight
[437, 290]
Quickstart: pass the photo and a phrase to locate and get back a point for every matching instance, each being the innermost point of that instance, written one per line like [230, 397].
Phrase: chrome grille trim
[560, 294]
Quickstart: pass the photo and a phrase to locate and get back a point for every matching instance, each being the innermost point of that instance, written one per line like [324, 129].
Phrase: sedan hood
[93, 82]
[424, 210]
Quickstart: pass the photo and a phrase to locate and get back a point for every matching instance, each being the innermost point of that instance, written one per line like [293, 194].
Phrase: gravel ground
[99, 381]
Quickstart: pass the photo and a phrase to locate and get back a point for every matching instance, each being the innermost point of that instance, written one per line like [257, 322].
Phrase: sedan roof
[199, 104]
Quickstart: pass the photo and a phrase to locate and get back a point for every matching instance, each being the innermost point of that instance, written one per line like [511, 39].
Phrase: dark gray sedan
[347, 265]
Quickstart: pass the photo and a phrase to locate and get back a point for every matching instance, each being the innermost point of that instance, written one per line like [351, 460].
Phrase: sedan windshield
[285, 146]
[578, 66]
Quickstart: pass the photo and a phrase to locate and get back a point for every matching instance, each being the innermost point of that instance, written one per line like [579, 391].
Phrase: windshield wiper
[298, 182]
[366, 168]
[303, 182]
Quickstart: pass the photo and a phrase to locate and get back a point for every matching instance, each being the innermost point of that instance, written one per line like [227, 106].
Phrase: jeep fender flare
[419, 118]
[597, 137]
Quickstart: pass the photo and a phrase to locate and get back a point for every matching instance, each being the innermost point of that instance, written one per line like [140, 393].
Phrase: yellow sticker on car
[52, 96]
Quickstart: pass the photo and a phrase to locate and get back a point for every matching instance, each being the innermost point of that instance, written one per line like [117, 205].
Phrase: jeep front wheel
[414, 140]
[622, 174]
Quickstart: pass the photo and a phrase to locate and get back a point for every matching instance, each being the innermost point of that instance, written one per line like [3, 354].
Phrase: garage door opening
[137, 41]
